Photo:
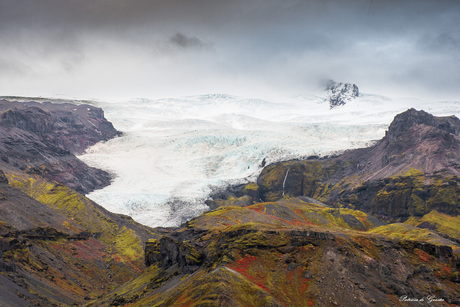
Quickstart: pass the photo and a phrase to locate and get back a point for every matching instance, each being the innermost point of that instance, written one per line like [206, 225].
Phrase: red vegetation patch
[116, 258]
[243, 266]
[304, 285]
[257, 207]
[183, 300]
[86, 250]
[363, 219]
[300, 223]
[89, 250]
[307, 248]
[445, 270]
[423, 255]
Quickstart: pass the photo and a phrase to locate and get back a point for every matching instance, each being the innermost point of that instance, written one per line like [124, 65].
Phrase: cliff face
[43, 138]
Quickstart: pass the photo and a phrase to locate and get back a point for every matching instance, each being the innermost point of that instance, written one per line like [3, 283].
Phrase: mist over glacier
[174, 152]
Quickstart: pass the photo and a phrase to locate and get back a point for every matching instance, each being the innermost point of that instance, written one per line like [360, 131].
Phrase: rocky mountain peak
[404, 121]
[341, 93]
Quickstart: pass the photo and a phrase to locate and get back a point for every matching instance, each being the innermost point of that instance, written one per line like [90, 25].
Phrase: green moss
[127, 243]
[251, 187]
[445, 197]
[124, 245]
[418, 205]
[260, 239]
[443, 223]
[193, 256]
[242, 201]
[413, 172]
[221, 211]
[407, 232]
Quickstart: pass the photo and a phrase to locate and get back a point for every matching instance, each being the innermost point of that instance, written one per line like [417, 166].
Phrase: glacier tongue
[174, 152]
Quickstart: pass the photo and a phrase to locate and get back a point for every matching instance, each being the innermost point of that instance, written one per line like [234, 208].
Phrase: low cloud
[186, 42]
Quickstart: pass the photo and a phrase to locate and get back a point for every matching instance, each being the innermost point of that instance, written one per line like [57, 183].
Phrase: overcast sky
[149, 48]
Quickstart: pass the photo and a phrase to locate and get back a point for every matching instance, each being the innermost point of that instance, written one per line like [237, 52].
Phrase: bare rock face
[404, 121]
[43, 138]
[341, 93]
[32, 119]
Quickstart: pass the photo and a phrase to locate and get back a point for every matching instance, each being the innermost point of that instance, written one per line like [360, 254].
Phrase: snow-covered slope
[174, 152]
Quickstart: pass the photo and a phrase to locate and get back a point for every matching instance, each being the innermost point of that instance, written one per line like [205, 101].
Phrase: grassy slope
[66, 271]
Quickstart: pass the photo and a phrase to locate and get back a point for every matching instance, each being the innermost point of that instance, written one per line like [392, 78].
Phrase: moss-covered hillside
[291, 253]
[65, 249]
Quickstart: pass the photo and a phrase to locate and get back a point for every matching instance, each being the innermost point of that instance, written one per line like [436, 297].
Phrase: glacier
[174, 152]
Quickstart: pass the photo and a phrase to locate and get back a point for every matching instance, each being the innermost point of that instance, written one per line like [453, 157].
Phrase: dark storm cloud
[275, 44]
[185, 41]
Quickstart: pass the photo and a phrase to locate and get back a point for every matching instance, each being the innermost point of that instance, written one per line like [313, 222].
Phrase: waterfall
[284, 181]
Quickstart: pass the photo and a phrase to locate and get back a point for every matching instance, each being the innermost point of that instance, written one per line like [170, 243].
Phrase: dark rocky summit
[340, 94]
[43, 138]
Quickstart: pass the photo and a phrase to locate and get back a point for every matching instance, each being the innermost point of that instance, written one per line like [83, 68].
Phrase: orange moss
[423, 255]
[257, 207]
[445, 270]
